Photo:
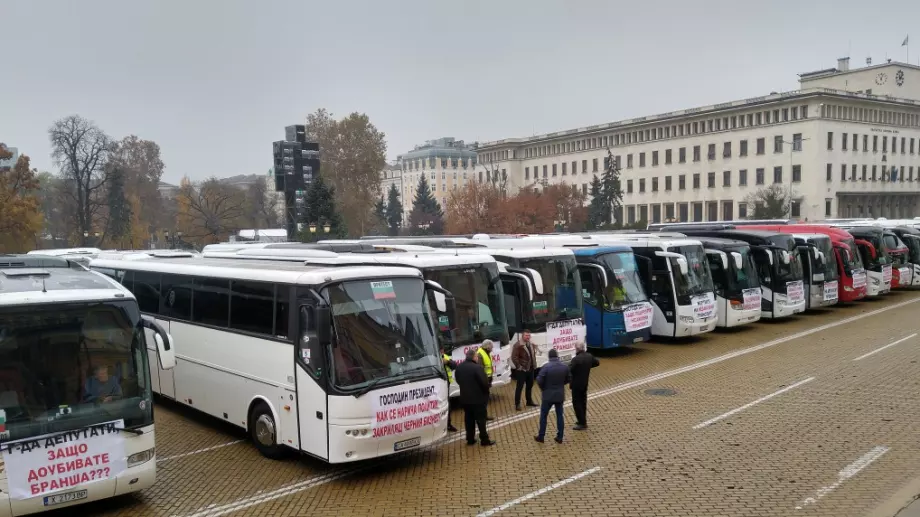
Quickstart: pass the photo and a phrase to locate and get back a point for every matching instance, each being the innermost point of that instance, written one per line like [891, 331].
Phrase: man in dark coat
[552, 380]
[581, 369]
[474, 395]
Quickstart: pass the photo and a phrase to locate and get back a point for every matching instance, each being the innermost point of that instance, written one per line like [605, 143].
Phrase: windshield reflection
[480, 306]
[624, 286]
[561, 298]
[698, 279]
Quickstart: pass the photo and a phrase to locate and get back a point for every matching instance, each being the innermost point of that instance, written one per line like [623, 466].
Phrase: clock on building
[881, 78]
[899, 77]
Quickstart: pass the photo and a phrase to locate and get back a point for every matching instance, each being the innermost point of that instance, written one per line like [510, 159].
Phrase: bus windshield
[830, 267]
[623, 284]
[698, 279]
[68, 366]
[881, 253]
[746, 276]
[383, 329]
[892, 243]
[787, 272]
[913, 245]
[852, 260]
[561, 298]
[480, 306]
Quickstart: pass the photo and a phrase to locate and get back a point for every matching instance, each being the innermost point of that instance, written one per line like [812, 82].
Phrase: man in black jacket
[581, 369]
[474, 395]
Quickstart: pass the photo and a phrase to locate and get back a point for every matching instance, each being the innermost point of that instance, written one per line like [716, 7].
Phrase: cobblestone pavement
[802, 417]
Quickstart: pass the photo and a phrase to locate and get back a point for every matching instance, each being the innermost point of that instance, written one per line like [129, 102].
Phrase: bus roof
[256, 270]
[34, 279]
[646, 240]
[524, 252]
[66, 251]
[721, 243]
[427, 259]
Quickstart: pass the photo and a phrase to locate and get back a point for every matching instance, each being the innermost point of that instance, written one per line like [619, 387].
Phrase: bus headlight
[876, 282]
[141, 457]
[847, 288]
[736, 305]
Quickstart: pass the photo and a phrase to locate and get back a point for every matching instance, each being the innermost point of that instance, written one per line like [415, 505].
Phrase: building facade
[847, 144]
[10, 162]
[296, 163]
[447, 164]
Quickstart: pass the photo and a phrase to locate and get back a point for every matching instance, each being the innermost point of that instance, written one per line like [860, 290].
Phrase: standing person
[449, 366]
[552, 380]
[524, 361]
[474, 394]
[581, 369]
[484, 355]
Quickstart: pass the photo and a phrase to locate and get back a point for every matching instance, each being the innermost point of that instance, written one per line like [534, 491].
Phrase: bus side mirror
[868, 246]
[739, 260]
[164, 343]
[323, 323]
[443, 299]
[537, 280]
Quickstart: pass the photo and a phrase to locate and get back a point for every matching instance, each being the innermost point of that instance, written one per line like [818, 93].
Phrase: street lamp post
[795, 145]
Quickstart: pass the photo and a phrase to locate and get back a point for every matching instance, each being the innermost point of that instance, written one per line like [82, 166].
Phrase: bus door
[810, 271]
[763, 260]
[516, 289]
[311, 374]
[601, 325]
[656, 280]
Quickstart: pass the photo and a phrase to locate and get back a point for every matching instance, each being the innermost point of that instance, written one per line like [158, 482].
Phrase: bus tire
[263, 431]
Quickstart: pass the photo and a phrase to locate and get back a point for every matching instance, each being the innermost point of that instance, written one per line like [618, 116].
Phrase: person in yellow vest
[449, 366]
[485, 359]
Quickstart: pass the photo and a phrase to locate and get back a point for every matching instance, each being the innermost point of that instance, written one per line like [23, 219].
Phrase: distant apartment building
[446, 163]
[296, 163]
[846, 144]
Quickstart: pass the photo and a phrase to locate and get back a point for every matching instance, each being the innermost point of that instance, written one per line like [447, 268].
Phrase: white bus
[82, 255]
[76, 406]
[338, 363]
[473, 280]
[675, 273]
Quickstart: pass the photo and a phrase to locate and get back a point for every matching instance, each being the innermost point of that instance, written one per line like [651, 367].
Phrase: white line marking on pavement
[199, 451]
[877, 350]
[538, 493]
[502, 422]
[751, 404]
[851, 470]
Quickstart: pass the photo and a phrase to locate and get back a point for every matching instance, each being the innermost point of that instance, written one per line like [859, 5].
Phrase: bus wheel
[264, 432]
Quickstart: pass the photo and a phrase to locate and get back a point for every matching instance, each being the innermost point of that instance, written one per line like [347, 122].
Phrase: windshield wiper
[371, 385]
[441, 373]
[130, 430]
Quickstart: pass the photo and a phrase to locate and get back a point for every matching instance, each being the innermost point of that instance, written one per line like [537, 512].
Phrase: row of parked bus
[334, 349]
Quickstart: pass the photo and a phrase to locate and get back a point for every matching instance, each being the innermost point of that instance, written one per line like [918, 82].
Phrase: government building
[846, 144]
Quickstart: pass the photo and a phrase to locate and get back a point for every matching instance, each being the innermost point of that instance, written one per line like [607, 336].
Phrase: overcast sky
[215, 82]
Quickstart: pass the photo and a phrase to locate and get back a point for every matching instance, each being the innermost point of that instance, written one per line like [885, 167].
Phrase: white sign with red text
[904, 275]
[61, 461]
[751, 299]
[830, 291]
[498, 366]
[859, 278]
[795, 291]
[638, 316]
[704, 306]
[407, 408]
[886, 275]
[563, 335]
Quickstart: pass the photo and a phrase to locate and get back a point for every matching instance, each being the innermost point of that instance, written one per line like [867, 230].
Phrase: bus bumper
[684, 328]
[817, 300]
[735, 318]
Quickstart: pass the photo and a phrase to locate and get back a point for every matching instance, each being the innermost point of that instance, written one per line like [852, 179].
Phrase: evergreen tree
[379, 226]
[426, 217]
[597, 206]
[394, 211]
[611, 190]
[119, 222]
[319, 212]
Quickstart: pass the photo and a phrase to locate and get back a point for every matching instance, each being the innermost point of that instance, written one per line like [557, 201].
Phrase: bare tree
[261, 206]
[81, 150]
[210, 211]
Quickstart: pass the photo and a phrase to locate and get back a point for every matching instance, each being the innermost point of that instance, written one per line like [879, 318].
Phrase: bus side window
[309, 349]
[513, 295]
[718, 274]
[763, 266]
[589, 286]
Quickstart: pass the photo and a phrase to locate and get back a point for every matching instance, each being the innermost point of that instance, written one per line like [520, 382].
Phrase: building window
[669, 211]
[711, 180]
[554, 170]
[829, 172]
[544, 173]
[865, 168]
[594, 165]
[911, 146]
[843, 141]
[742, 178]
[526, 173]
[795, 209]
[853, 173]
[629, 186]
[796, 173]
[641, 184]
[874, 172]
[654, 158]
[655, 184]
[874, 143]
[667, 157]
[843, 171]
[778, 144]
[564, 172]
[742, 148]
[584, 166]
[641, 159]
[683, 212]
[630, 214]
[742, 210]
[827, 207]
[855, 142]
[574, 168]
[777, 174]
[865, 145]
[884, 144]
[629, 162]
[696, 180]
[682, 155]
[584, 188]
[682, 182]
[726, 178]
[727, 150]
[759, 177]
[711, 154]
[696, 153]
[830, 140]
[761, 145]
[697, 212]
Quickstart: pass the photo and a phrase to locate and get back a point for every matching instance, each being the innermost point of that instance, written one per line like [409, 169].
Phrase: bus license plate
[407, 444]
[704, 328]
[51, 500]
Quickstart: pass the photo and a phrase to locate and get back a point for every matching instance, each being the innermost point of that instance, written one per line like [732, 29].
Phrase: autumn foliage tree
[208, 212]
[484, 208]
[20, 206]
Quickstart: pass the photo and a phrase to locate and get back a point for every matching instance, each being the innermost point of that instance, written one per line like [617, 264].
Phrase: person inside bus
[101, 387]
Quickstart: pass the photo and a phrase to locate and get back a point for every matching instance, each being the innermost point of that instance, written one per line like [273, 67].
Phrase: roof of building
[446, 147]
